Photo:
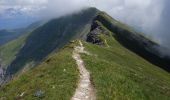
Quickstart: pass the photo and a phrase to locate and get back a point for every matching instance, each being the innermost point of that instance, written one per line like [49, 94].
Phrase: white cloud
[27, 7]
[144, 14]
[124, 10]
[62, 7]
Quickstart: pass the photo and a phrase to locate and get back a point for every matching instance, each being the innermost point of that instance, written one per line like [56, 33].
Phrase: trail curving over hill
[85, 89]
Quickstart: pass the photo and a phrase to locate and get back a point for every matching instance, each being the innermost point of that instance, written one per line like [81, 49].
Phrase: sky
[149, 16]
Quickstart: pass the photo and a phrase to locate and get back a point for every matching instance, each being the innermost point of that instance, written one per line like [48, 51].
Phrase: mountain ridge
[117, 71]
[135, 41]
[49, 37]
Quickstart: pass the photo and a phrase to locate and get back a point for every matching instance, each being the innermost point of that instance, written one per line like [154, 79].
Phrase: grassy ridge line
[57, 77]
[119, 74]
[135, 42]
[51, 36]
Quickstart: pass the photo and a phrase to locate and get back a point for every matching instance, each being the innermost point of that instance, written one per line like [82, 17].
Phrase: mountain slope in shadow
[134, 41]
[52, 36]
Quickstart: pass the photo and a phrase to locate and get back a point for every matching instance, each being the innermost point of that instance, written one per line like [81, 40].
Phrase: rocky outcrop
[94, 35]
[132, 40]
[2, 75]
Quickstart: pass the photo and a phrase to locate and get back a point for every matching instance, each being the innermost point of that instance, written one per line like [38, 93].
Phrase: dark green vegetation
[134, 41]
[117, 72]
[6, 36]
[120, 74]
[11, 41]
[123, 63]
[51, 36]
[9, 51]
[56, 77]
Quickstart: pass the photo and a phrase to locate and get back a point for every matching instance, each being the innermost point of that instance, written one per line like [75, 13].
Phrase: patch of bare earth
[85, 89]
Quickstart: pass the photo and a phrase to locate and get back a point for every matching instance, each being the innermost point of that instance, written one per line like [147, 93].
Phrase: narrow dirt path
[85, 90]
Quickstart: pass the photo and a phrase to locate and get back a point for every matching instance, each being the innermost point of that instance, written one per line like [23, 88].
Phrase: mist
[151, 17]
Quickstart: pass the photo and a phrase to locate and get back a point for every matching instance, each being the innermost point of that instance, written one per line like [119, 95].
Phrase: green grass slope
[116, 72]
[56, 78]
[51, 36]
[135, 41]
[9, 51]
[119, 74]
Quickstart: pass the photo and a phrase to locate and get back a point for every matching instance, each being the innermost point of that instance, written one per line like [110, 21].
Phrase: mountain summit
[88, 54]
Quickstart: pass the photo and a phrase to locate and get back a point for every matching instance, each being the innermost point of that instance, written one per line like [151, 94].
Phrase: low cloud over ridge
[149, 16]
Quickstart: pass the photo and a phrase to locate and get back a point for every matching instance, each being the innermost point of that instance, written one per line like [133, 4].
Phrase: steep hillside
[53, 79]
[123, 64]
[117, 73]
[120, 74]
[52, 35]
[9, 51]
[134, 41]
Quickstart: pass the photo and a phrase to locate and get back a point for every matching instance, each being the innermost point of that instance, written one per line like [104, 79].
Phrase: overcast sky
[149, 16]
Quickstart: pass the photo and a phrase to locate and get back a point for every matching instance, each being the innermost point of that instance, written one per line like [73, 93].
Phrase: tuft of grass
[56, 78]
[120, 74]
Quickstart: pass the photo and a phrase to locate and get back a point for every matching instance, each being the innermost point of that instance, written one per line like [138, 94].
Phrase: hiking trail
[85, 89]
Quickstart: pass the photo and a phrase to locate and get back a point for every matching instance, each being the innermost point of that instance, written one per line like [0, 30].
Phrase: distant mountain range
[11, 34]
